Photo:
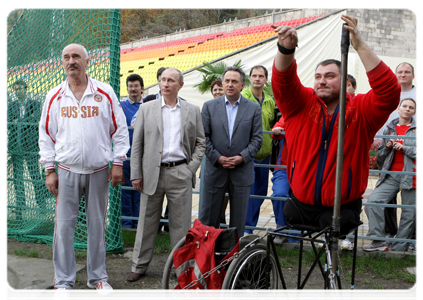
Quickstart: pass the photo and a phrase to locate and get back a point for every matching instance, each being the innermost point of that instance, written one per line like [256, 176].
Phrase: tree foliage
[140, 23]
[212, 72]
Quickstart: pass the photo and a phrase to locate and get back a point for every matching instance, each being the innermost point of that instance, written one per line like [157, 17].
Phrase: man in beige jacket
[167, 148]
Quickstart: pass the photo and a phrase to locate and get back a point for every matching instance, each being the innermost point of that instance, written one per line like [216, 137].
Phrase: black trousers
[297, 212]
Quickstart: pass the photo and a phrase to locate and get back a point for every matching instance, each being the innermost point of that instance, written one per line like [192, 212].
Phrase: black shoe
[134, 277]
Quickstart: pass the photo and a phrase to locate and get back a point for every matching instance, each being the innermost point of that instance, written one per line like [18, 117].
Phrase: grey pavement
[31, 273]
[36, 273]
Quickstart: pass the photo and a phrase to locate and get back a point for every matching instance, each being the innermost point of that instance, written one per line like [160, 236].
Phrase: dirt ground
[119, 265]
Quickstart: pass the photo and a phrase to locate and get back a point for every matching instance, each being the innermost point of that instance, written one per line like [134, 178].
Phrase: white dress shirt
[172, 140]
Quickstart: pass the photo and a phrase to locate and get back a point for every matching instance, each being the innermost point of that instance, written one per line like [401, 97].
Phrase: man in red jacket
[311, 124]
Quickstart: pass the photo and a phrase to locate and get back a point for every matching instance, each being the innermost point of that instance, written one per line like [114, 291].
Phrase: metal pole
[345, 43]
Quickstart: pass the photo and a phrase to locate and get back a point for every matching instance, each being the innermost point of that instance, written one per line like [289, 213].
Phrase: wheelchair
[256, 264]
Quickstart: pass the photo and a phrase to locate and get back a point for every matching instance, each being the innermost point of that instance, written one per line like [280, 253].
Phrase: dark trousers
[297, 212]
[20, 178]
[212, 204]
[130, 199]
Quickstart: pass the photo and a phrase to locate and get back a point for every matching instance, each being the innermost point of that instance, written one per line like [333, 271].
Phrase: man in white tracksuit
[81, 119]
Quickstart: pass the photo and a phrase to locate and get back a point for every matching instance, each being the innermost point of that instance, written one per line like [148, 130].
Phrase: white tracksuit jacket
[78, 135]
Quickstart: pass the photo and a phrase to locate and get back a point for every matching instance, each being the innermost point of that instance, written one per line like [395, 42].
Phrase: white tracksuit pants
[95, 189]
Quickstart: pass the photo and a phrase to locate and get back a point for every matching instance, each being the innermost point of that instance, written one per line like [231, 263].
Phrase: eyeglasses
[135, 86]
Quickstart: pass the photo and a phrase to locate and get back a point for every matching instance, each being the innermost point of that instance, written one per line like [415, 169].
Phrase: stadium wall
[389, 32]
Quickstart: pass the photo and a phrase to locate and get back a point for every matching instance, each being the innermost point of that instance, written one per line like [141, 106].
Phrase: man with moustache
[130, 198]
[81, 119]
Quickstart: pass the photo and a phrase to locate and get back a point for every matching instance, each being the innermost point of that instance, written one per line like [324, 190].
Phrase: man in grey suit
[167, 149]
[234, 134]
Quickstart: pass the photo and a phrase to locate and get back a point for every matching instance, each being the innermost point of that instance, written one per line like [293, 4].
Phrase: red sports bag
[198, 256]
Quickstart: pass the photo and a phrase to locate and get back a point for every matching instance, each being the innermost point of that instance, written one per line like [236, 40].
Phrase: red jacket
[311, 161]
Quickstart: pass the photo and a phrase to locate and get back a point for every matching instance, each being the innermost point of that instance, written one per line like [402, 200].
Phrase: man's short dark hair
[159, 72]
[329, 62]
[352, 80]
[135, 77]
[19, 82]
[236, 69]
[258, 67]
[405, 63]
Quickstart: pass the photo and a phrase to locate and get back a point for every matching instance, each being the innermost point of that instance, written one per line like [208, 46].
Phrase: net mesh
[35, 41]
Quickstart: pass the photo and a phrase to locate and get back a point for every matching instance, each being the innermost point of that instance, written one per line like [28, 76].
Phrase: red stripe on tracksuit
[63, 167]
[101, 168]
[111, 104]
[48, 114]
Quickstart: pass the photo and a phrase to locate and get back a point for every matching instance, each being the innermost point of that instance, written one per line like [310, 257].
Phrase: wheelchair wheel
[169, 280]
[248, 271]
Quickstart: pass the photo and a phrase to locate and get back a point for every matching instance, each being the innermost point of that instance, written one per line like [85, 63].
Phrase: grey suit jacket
[147, 143]
[247, 139]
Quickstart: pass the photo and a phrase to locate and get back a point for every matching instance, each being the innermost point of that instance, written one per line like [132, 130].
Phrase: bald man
[81, 119]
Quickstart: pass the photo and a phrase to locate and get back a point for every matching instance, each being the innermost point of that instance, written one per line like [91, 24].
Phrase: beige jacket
[147, 143]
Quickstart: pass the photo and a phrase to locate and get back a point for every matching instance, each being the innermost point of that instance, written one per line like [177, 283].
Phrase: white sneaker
[103, 288]
[347, 245]
[61, 294]
[376, 246]
[272, 214]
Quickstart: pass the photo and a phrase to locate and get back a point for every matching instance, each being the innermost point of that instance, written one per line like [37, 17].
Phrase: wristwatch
[48, 172]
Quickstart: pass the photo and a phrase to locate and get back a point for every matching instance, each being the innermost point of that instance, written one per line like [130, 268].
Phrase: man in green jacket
[255, 93]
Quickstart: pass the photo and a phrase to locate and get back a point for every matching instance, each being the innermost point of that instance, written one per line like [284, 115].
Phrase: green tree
[212, 72]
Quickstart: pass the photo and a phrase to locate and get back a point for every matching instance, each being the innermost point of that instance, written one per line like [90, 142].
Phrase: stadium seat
[187, 53]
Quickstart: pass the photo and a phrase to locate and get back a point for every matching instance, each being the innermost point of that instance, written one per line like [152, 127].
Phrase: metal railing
[200, 193]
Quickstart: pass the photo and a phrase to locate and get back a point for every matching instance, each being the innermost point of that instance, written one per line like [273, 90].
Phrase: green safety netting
[35, 42]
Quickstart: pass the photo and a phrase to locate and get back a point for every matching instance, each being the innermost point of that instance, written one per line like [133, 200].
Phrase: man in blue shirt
[131, 198]
[234, 135]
